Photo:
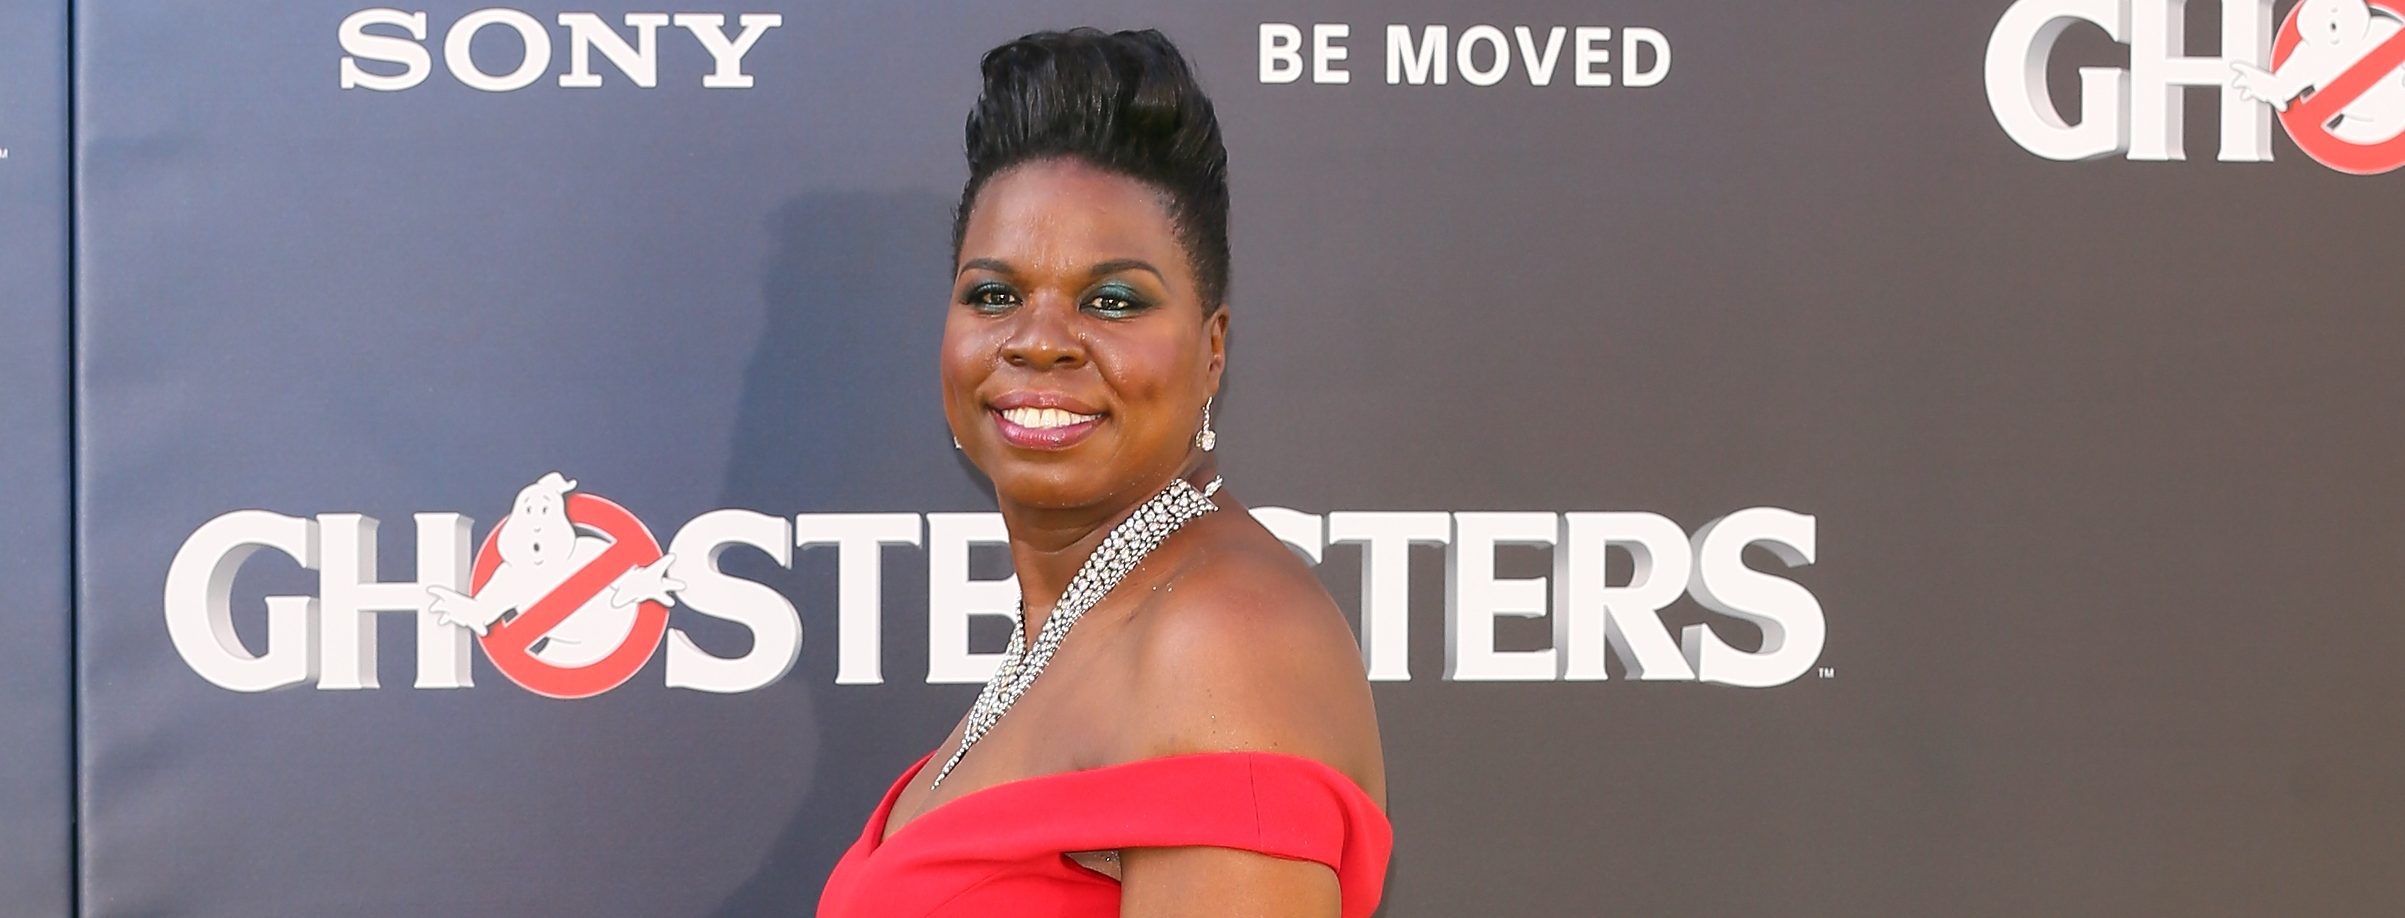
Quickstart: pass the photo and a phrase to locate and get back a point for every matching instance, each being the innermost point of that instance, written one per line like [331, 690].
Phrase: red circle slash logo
[2353, 120]
[579, 630]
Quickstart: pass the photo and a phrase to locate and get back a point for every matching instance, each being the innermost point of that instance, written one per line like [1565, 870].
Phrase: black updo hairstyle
[1124, 102]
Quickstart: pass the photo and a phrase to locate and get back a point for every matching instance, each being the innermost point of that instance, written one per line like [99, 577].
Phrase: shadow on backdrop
[839, 412]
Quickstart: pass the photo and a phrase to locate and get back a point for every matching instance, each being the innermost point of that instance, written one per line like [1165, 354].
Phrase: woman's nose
[1044, 337]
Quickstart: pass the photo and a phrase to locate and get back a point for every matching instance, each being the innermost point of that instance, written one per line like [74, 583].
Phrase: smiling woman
[1204, 742]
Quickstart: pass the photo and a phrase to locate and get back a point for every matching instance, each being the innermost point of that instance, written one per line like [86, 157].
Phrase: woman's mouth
[1029, 427]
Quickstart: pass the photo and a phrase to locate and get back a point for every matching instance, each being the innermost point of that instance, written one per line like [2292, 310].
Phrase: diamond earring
[1206, 438]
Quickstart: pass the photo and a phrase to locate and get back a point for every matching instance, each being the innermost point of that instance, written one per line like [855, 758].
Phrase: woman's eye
[990, 297]
[1115, 301]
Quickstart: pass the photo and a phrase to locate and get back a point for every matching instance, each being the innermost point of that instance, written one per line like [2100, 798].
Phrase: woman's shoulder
[1240, 649]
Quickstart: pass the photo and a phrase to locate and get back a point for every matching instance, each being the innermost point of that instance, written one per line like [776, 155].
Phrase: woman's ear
[1215, 329]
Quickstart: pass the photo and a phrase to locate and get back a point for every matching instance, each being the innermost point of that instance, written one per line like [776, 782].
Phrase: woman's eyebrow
[995, 265]
[1127, 264]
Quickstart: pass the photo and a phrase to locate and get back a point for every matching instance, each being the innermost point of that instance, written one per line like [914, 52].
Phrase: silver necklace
[1120, 551]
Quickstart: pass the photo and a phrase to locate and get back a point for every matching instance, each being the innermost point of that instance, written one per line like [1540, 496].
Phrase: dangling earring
[1206, 438]
[955, 442]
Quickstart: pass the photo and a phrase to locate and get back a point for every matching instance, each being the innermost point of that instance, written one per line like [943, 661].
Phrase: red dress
[1002, 850]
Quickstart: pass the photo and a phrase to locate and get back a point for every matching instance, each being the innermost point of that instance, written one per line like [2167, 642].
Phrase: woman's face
[1076, 355]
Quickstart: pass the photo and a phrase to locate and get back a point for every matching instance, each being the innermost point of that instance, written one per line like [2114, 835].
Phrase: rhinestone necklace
[1118, 554]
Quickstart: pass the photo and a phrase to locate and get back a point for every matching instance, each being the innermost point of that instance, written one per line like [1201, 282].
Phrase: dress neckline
[877, 839]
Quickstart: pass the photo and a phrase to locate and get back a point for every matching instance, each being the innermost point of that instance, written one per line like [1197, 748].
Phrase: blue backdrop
[2101, 455]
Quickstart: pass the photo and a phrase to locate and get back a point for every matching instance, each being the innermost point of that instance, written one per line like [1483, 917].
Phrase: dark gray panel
[36, 838]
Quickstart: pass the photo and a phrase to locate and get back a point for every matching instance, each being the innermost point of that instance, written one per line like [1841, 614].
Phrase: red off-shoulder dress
[1003, 850]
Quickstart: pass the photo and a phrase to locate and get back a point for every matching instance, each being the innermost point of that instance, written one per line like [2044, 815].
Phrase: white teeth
[1045, 418]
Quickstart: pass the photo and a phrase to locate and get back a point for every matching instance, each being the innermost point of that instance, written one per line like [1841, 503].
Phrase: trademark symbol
[1828, 672]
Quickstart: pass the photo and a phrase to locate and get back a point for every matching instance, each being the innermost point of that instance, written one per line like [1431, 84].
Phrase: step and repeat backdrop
[1823, 459]
[36, 759]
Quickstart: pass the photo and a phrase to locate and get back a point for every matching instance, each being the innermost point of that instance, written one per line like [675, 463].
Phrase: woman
[1203, 742]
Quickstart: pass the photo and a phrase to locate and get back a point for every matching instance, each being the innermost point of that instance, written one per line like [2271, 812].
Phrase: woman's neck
[1048, 545]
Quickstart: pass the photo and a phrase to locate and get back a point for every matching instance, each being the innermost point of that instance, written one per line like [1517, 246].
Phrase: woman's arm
[1246, 657]
[1223, 882]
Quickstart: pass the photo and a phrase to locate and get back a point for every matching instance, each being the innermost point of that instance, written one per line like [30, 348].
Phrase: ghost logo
[570, 592]
[2344, 58]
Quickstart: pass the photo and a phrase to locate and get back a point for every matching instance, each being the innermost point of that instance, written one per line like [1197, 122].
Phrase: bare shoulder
[1240, 649]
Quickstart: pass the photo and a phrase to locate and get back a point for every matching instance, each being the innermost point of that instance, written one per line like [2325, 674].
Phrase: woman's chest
[1074, 719]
